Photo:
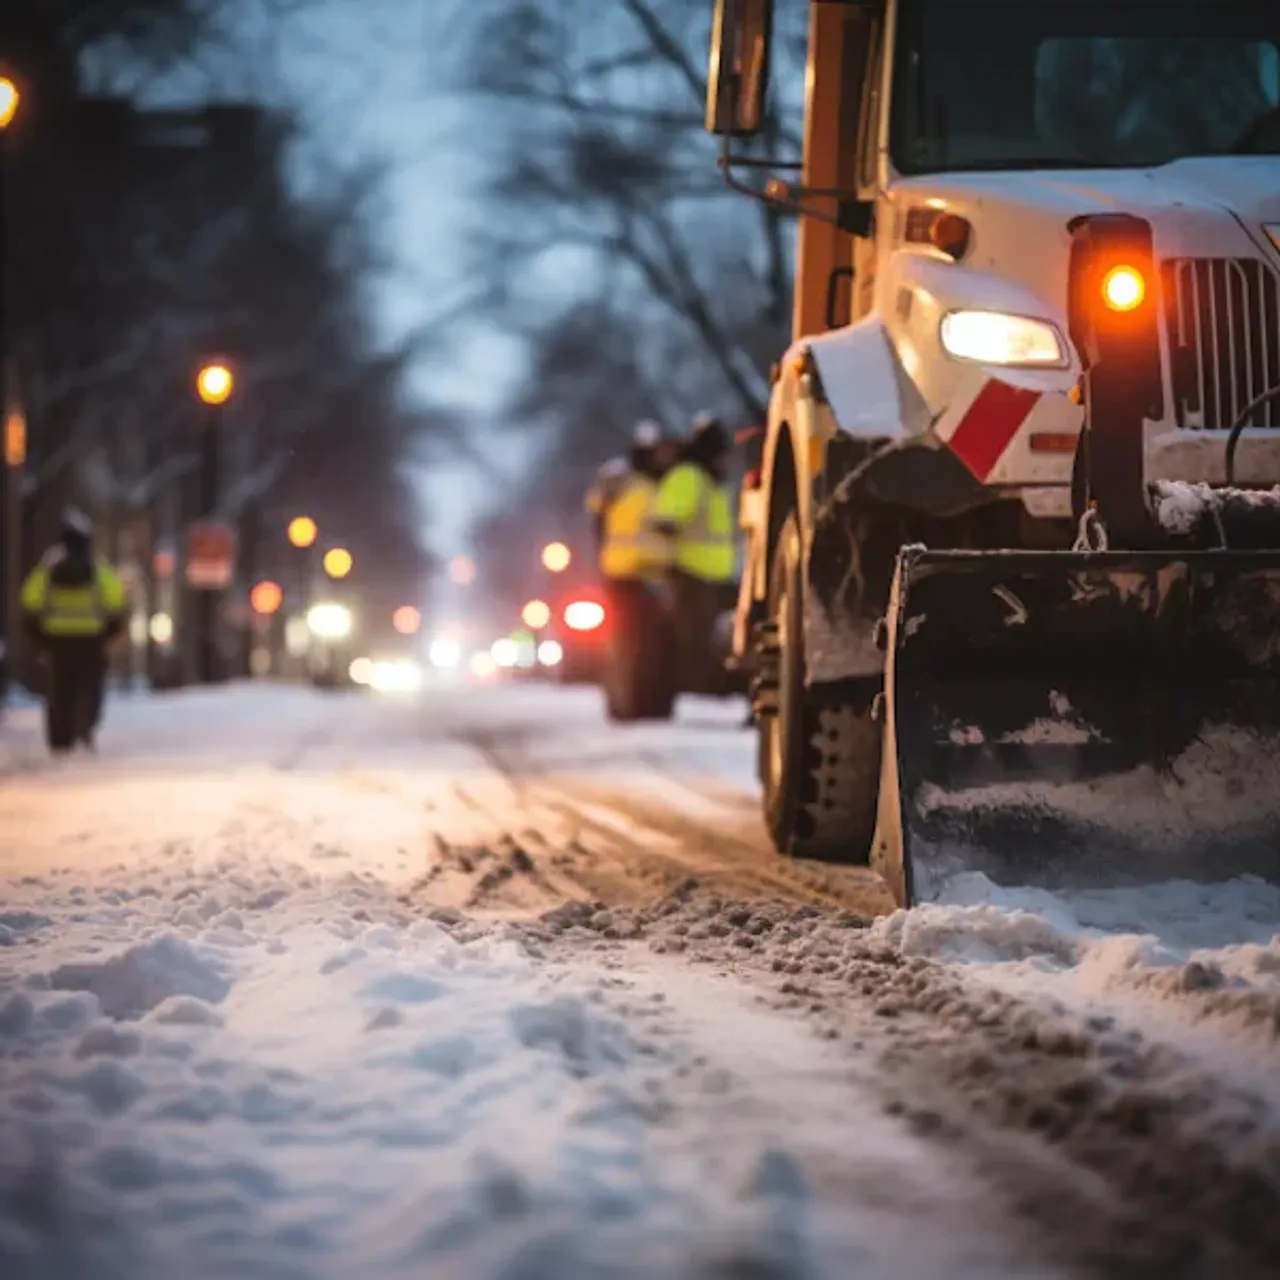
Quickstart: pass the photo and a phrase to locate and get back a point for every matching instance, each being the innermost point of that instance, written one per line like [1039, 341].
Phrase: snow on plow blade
[1073, 720]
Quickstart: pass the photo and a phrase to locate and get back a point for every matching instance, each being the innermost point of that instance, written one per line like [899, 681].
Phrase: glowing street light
[556, 557]
[215, 383]
[462, 571]
[10, 100]
[302, 531]
[406, 620]
[338, 562]
[536, 614]
[266, 598]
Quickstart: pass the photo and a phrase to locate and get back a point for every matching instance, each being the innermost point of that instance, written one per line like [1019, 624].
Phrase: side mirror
[738, 79]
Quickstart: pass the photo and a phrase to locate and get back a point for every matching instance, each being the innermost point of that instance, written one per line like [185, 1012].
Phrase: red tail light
[584, 615]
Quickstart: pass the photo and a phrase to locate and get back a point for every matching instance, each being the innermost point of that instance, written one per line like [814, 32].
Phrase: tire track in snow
[1130, 1157]
[637, 845]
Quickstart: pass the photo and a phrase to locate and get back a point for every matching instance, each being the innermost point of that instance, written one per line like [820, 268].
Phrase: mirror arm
[750, 162]
[852, 216]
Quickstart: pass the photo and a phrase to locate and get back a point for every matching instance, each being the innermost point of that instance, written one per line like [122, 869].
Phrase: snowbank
[1195, 953]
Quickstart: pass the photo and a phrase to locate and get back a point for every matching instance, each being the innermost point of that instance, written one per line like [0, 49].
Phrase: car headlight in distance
[396, 675]
[991, 337]
[329, 621]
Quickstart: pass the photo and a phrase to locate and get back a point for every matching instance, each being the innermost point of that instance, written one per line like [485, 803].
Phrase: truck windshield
[1025, 84]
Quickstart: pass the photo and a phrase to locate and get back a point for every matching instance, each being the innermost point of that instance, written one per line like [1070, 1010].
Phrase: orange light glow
[302, 531]
[215, 383]
[406, 620]
[10, 100]
[1124, 289]
[266, 598]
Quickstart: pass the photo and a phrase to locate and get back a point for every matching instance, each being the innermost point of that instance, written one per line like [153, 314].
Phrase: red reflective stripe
[990, 424]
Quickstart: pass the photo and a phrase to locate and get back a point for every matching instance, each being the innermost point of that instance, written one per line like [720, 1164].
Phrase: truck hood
[1248, 186]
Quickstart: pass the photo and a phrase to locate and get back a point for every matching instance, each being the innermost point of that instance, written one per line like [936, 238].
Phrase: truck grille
[1223, 316]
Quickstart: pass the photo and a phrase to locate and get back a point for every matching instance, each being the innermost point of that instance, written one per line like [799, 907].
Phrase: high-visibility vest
[631, 548]
[690, 500]
[69, 611]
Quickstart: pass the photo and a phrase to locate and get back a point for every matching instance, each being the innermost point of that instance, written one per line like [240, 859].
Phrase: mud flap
[1073, 720]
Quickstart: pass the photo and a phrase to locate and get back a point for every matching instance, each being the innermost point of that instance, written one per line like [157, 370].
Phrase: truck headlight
[990, 337]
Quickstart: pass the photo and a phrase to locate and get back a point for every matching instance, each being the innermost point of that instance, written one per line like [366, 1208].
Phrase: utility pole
[12, 423]
[214, 385]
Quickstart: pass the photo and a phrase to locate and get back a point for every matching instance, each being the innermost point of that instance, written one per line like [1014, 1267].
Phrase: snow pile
[1217, 943]
[301, 1080]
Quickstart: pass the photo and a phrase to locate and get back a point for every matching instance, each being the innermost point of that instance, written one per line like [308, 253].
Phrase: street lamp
[214, 385]
[406, 620]
[266, 598]
[338, 562]
[556, 557]
[10, 100]
[302, 532]
[15, 441]
[536, 614]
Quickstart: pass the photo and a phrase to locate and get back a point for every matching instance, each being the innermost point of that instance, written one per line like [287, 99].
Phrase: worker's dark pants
[696, 605]
[77, 671]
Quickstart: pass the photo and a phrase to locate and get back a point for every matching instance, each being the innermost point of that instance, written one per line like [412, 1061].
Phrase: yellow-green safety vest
[631, 548]
[73, 611]
[705, 546]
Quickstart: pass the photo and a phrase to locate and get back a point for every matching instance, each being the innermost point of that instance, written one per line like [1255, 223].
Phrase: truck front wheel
[819, 757]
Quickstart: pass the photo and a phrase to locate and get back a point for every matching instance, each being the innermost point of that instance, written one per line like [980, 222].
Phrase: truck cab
[1037, 276]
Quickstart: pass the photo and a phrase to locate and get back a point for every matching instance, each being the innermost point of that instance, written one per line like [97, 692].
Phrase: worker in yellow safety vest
[74, 604]
[620, 500]
[693, 512]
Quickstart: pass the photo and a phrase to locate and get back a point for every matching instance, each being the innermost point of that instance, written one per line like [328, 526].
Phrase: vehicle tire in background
[639, 683]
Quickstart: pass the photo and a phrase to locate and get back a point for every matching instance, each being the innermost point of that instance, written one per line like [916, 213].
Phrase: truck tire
[819, 761]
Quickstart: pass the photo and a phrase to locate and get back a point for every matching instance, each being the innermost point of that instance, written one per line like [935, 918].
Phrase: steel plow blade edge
[1072, 720]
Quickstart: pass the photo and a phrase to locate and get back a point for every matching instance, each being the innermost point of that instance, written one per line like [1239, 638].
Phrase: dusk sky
[377, 77]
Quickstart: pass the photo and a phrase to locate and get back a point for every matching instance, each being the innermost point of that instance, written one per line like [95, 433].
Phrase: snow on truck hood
[1248, 186]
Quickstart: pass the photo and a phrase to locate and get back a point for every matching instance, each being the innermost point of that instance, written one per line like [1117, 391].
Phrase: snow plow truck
[1013, 581]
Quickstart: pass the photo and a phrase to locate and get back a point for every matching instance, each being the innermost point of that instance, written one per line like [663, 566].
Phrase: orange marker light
[1124, 289]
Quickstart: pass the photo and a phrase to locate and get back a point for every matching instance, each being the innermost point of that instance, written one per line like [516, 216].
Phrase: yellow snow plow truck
[1014, 565]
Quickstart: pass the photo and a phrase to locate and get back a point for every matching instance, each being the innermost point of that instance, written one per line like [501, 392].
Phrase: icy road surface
[477, 986]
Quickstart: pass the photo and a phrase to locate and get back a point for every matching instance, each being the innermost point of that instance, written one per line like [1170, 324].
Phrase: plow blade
[1077, 720]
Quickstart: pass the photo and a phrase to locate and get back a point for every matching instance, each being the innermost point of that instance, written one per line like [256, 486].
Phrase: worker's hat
[75, 524]
[647, 434]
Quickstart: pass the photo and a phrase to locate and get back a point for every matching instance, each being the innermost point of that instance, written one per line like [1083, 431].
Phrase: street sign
[15, 439]
[211, 555]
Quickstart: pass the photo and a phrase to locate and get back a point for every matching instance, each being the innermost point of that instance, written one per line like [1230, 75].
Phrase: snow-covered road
[478, 986]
